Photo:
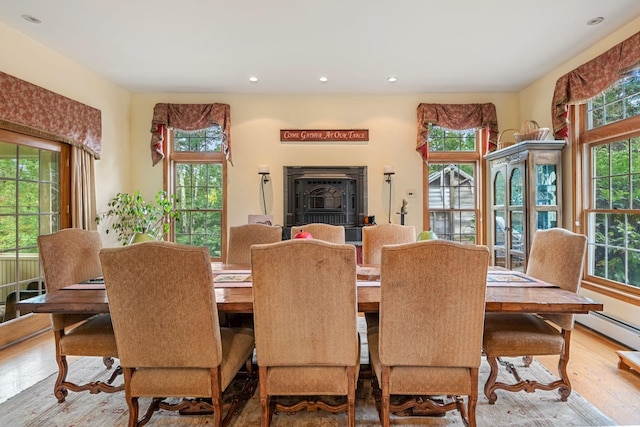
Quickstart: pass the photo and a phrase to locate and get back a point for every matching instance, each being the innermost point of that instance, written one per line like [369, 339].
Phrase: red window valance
[33, 110]
[189, 117]
[591, 78]
[456, 117]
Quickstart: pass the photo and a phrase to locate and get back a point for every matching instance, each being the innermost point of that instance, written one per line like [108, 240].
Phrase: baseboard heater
[616, 329]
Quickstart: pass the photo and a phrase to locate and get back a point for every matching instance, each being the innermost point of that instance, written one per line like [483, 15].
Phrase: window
[32, 190]
[197, 172]
[610, 140]
[451, 184]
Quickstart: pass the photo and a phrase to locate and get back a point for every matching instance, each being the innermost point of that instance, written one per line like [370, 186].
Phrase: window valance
[33, 110]
[189, 117]
[456, 117]
[591, 78]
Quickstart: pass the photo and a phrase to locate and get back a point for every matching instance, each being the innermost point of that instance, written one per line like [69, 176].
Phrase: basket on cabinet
[504, 144]
[531, 131]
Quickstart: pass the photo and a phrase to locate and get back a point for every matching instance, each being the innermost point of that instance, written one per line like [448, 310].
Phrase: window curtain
[33, 110]
[591, 78]
[189, 117]
[456, 117]
[83, 200]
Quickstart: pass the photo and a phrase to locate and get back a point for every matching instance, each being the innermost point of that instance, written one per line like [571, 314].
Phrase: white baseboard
[619, 331]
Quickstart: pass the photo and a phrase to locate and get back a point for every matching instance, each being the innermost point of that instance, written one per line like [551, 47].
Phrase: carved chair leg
[59, 390]
[565, 389]
[489, 386]
[351, 396]
[108, 362]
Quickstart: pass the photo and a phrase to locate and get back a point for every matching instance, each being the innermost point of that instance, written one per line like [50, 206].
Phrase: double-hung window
[197, 177]
[609, 137]
[451, 184]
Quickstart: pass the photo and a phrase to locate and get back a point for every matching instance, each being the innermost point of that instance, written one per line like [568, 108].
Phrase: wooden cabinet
[525, 196]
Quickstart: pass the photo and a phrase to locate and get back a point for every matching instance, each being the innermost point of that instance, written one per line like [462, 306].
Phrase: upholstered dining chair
[241, 238]
[163, 306]
[376, 236]
[326, 232]
[556, 257]
[307, 343]
[429, 339]
[72, 256]
[373, 239]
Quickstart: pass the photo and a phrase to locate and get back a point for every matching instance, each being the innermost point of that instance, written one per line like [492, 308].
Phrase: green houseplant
[129, 215]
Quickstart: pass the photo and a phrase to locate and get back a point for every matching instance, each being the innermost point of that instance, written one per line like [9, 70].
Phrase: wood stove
[335, 195]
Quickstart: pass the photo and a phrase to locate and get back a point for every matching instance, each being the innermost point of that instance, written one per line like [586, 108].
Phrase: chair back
[326, 232]
[304, 303]
[162, 304]
[557, 257]
[376, 236]
[241, 238]
[69, 256]
[432, 304]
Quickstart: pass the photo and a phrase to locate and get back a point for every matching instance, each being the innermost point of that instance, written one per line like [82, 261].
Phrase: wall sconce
[264, 171]
[388, 171]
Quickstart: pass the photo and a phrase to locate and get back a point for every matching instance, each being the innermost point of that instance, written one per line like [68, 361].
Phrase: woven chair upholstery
[557, 257]
[376, 236]
[163, 305]
[307, 343]
[242, 237]
[429, 339]
[373, 239]
[319, 231]
[72, 256]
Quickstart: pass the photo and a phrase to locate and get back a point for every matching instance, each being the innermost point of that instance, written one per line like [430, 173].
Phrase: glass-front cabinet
[526, 195]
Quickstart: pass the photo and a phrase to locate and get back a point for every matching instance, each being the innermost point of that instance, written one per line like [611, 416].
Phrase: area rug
[37, 406]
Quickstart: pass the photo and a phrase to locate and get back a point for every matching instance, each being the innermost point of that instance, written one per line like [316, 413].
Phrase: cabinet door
[499, 212]
[546, 196]
[516, 224]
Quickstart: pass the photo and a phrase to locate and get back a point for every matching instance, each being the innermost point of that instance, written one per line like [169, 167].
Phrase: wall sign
[324, 135]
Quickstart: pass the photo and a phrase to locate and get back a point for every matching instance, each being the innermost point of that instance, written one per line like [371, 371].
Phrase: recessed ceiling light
[392, 79]
[595, 21]
[31, 19]
[253, 79]
[324, 79]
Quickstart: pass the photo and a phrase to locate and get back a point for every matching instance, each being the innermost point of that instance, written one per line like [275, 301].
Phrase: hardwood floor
[593, 369]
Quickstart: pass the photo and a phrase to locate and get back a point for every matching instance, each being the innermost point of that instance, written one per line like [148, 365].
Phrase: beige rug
[37, 406]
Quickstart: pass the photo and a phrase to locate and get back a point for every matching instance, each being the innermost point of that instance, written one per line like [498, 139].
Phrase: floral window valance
[33, 110]
[456, 117]
[189, 117]
[591, 78]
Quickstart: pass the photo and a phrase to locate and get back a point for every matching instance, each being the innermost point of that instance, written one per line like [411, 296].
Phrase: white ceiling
[216, 45]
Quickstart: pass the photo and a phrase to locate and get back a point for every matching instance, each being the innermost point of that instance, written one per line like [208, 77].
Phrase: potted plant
[129, 216]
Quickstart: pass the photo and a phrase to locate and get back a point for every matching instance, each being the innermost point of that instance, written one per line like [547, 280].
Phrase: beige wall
[256, 121]
[30, 61]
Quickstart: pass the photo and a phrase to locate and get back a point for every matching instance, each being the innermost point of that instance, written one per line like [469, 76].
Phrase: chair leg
[351, 396]
[385, 404]
[489, 386]
[473, 398]
[60, 391]
[132, 403]
[265, 418]
[108, 362]
[565, 389]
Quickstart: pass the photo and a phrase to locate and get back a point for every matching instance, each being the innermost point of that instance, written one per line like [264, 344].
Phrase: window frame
[64, 186]
[172, 158]
[583, 141]
[460, 157]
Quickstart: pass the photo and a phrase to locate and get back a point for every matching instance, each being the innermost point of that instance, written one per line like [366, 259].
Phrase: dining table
[507, 292]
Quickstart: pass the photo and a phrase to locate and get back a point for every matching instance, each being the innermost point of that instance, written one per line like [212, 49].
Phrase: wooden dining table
[507, 292]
